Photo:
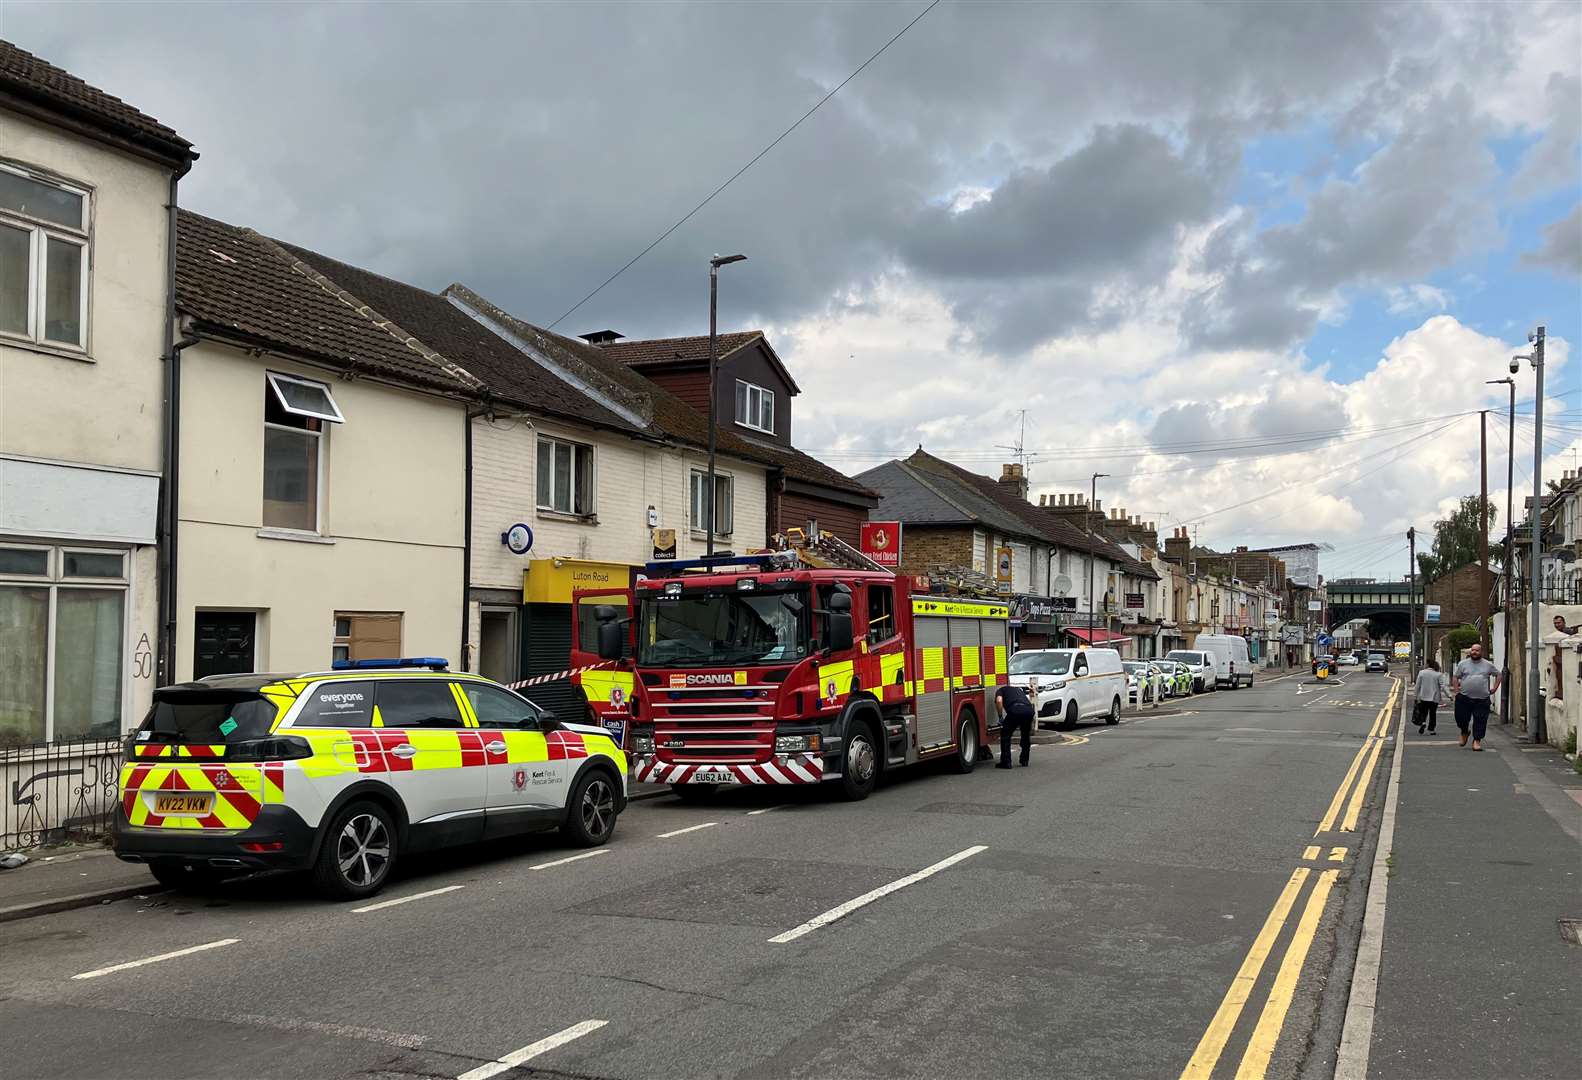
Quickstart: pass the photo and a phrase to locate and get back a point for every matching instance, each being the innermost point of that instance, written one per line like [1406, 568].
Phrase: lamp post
[711, 497]
[1536, 726]
[1093, 545]
[1510, 542]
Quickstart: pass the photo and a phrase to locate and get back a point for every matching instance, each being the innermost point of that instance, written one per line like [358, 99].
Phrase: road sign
[1430, 612]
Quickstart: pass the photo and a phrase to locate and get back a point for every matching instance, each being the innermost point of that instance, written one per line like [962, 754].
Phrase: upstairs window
[565, 477]
[722, 503]
[295, 412]
[755, 407]
[43, 259]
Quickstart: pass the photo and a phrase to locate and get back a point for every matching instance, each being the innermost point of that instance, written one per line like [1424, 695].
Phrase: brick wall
[924, 549]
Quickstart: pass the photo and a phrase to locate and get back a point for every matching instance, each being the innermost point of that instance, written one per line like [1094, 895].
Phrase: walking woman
[1430, 689]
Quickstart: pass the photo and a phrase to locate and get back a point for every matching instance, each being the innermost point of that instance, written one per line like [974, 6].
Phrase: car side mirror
[611, 636]
[545, 721]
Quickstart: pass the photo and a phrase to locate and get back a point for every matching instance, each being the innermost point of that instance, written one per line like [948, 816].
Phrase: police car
[341, 772]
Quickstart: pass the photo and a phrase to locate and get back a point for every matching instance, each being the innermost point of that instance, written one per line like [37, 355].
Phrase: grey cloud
[1554, 162]
[1283, 409]
[1561, 250]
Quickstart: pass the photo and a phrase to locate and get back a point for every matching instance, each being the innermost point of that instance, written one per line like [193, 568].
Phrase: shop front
[546, 620]
[1035, 620]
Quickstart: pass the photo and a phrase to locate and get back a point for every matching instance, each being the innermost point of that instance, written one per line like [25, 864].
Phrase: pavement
[1095, 914]
[1476, 977]
[60, 878]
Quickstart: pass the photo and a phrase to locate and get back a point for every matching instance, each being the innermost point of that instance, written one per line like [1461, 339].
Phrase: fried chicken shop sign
[881, 542]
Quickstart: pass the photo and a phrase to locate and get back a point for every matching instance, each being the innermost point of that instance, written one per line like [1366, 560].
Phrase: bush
[1462, 637]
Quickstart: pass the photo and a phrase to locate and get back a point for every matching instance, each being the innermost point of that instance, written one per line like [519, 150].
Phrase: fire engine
[765, 670]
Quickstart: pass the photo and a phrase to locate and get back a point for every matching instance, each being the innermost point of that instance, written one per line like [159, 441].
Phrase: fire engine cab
[763, 670]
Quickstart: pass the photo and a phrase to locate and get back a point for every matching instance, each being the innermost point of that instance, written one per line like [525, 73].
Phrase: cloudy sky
[1193, 242]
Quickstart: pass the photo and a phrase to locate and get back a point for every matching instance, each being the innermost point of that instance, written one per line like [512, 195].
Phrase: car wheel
[1072, 716]
[183, 877]
[861, 769]
[967, 743]
[357, 854]
[591, 814]
[1114, 716]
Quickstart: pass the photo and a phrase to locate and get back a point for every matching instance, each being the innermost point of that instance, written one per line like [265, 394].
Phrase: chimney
[1014, 479]
[601, 338]
[1178, 548]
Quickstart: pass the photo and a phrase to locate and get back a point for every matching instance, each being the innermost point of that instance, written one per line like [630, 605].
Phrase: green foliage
[1456, 540]
[1454, 642]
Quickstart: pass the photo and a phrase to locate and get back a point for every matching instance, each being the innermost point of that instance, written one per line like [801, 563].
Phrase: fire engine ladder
[828, 551]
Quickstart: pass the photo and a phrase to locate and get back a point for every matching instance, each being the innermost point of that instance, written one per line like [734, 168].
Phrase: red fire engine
[762, 670]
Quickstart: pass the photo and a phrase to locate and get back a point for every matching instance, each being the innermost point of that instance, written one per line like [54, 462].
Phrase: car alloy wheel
[362, 850]
[598, 808]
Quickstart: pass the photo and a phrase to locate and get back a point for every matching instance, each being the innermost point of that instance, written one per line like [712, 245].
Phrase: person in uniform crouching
[1016, 711]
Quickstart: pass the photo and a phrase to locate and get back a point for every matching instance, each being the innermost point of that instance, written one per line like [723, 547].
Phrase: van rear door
[200, 760]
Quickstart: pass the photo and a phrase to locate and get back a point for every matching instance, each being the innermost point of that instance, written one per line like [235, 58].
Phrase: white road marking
[571, 858]
[765, 810]
[869, 897]
[381, 905]
[532, 1050]
[689, 828]
[113, 968]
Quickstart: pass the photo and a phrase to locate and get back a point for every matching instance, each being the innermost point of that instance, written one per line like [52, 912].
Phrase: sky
[1253, 261]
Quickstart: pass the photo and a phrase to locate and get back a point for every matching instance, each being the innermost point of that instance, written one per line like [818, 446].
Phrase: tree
[1457, 540]
[1455, 641]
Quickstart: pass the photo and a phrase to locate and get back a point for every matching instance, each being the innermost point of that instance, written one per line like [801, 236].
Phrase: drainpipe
[466, 548]
[179, 334]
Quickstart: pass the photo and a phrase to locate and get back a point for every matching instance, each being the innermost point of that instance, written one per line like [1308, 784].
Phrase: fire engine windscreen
[720, 627]
[1041, 663]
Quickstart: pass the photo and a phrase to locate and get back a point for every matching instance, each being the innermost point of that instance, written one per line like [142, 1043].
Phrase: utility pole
[1508, 606]
[1486, 628]
[1093, 545]
[1537, 726]
[1411, 596]
[711, 496]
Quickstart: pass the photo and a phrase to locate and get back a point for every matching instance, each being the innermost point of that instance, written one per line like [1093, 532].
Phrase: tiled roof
[32, 79]
[906, 498]
[658, 352]
[235, 280]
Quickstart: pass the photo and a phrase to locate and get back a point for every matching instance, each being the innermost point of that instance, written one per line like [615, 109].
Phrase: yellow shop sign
[552, 581]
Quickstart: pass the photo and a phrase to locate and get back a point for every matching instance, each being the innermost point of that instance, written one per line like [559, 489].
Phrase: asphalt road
[1099, 909]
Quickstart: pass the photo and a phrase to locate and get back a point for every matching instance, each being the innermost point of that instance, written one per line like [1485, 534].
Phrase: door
[498, 652]
[606, 691]
[525, 789]
[436, 762]
[1082, 682]
[222, 642]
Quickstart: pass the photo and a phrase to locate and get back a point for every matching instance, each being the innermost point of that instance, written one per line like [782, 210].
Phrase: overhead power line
[733, 177]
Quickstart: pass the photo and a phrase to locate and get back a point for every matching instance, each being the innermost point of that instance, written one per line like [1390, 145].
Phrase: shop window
[565, 476]
[61, 644]
[723, 503]
[44, 240]
[366, 635]
[295, 412]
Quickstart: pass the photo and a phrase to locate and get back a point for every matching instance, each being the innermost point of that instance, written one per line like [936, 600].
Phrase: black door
[223, 642]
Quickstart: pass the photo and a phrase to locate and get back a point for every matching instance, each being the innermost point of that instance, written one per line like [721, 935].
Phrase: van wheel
[1114, 716]
[967, 743]
[861, 770]
[590, 815]
[1070, 721]
[358, 853]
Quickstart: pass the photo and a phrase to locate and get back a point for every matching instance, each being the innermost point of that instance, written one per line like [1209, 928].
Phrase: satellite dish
[1062, 585]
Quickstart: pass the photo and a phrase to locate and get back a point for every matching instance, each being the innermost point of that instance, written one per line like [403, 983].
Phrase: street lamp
[711, 496]
[1510, 538]
[1536, 726]
[1093, 545]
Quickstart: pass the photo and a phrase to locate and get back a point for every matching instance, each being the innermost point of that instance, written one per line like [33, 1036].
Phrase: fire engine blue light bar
[434, 663]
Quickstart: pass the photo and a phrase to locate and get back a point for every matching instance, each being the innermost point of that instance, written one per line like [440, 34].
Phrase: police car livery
[340, 772]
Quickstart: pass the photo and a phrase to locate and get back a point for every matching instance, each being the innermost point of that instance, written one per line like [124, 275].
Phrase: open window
[304, 398]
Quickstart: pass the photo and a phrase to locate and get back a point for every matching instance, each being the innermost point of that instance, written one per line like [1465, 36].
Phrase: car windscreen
[185, 717]
[1134, 667]
[718, 627]
[1185, 657]
[1040, 663]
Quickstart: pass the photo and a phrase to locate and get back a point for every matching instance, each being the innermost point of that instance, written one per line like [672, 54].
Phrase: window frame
[275, 380]
[52, 583]
[534, 714]
[745, 392]
[553, 441]
[39, 232]
[700, 527]
[891, 624]
[319, 435]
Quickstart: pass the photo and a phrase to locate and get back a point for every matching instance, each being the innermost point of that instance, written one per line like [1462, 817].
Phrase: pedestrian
[1016, 711]
[1474, 681]
[1430, 689]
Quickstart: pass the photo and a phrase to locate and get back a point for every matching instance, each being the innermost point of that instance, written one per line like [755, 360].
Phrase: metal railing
[52, 792]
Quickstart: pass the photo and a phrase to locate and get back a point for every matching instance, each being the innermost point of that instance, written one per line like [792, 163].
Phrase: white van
[1199, 663]
[1068, 685]
[1232, 664]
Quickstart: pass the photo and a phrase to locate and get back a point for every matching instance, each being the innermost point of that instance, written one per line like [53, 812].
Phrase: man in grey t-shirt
[1473, 681]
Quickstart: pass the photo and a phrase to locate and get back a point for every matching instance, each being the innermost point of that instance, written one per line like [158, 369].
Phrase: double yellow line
[1266, 1034]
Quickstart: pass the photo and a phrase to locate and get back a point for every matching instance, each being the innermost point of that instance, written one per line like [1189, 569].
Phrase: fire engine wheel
[967, 743]
[357, 854]
[861, 770]
[1114, 716]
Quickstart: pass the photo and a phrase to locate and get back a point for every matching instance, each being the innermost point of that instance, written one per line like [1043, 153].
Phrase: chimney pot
[602, 338]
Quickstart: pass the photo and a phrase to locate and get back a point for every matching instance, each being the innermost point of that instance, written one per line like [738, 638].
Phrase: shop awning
[1096, 637]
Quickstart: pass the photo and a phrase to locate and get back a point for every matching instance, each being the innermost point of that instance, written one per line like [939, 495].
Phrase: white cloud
[1414, 299]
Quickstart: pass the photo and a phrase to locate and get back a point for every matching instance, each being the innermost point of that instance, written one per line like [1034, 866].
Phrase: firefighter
[1016, 711]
